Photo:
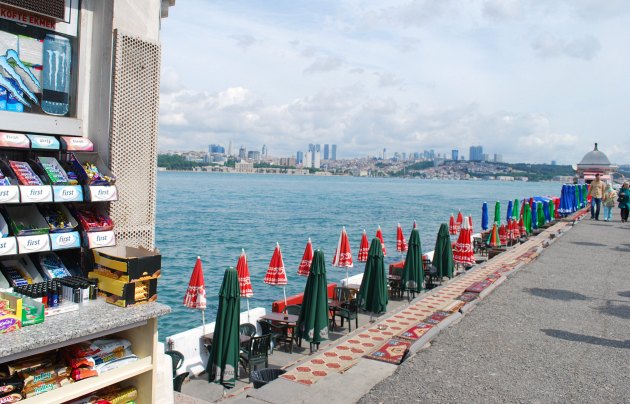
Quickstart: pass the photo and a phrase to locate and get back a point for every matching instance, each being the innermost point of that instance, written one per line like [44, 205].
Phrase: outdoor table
[334, 306]
[287, 322]
[243, 340]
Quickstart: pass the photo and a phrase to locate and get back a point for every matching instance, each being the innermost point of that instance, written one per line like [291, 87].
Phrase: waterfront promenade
[556, 331]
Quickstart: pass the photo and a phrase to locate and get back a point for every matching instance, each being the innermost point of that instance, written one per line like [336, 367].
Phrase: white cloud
[531, 80]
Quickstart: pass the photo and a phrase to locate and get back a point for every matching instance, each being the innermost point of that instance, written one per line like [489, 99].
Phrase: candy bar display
[16, 275]
[3, 179]
[91, 219]
[91, 169]
[58, 218]
[52, 266]
[55, 172]
[24, 173]
[26, 220]
[36, 375]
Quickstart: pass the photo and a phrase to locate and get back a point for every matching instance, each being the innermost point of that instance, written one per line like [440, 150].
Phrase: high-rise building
[229, 153]
[384, 153]
[476, 153]
[308, 160]
[498, 158]
[264, 150]
[454, 154]
[216, 149]
[326, 152]
[404, 156]
[299, 157]
[242, 153]
[333, 152]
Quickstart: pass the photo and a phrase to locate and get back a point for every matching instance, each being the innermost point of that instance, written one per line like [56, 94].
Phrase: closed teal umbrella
[443, 253]
[412, 272]
[313, 322]
[540, 213]
[515, 213]
[223, 362]
[373, 291]
[497, 213]
[527, 218]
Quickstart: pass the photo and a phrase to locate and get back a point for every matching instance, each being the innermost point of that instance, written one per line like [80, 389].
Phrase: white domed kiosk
[595, 162]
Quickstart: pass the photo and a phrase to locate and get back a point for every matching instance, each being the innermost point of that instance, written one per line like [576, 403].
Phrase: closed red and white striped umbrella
[307, 260]
[244, 280]
[463, 252]
[195, 296]
[503, 234]
[451, 226]
[401, 243]
[458, 222]
[343, 254]
[276, 275]
[379, 235]
[364, 247]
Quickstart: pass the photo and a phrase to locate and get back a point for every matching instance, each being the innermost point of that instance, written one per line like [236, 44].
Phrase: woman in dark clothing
[624, 201]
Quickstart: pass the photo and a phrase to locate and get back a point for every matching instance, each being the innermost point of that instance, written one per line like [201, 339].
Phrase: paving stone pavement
[556, 331]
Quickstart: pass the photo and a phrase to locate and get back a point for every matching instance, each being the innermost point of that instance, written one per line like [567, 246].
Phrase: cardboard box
[11, 322]
[32, 311]
[125, 294]
[137, 263]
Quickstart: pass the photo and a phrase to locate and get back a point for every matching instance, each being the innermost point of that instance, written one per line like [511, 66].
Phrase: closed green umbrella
[552, 210]
[527, 218]
[223, 363]
[412, 272]
[497, 213]
[313, 322]
[443, 253]
[540, 212]
[373, 291]
[515, 213]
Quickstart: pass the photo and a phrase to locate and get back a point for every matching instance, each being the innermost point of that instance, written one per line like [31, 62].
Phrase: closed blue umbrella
[534, 215]
[547, 212]
[508, 215]
[484, 216]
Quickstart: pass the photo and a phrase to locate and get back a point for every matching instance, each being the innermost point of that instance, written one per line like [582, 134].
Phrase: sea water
[214, 216]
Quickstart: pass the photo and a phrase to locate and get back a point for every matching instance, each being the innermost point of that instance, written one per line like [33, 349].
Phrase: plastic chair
[396, 284]
[263, 376]
[341, 294]
[256, 354]
[177, 362]
[247, 329]
[274, 332]
[349, 311]
[294, 309]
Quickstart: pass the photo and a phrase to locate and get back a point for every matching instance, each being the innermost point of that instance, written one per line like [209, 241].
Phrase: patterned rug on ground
[415, 332]
[393, 351]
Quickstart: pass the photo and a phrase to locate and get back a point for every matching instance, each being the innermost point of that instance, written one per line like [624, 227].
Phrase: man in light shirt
[596, 192]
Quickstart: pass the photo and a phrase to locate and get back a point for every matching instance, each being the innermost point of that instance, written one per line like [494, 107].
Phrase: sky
[532, 80]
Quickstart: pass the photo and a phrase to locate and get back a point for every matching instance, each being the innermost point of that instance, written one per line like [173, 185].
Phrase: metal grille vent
[50, 8]
[134, 130]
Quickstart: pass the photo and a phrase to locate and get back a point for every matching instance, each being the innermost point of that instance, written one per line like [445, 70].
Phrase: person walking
[596, 192]
[624, 201]
[608, 201]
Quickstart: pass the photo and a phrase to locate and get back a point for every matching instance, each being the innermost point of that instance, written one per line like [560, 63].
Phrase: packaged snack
[10, 385]
[91, 348]
[11, 398]
[92, 220]
[99, 359]
[35, 389]
[58, 218]
[44, 374]
[54, 171]
[119, 395]
[31, 363]
[52, 266]
[3, 179]
[24, 173]
[86, 372]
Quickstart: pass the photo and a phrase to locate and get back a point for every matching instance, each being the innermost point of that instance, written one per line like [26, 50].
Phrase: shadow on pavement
[589, 243]
[570, 336]
[556, 294]
[617, 310]
[624, 294]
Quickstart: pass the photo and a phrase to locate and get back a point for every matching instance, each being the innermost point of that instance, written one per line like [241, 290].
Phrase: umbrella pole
[285, 296]
[248, 310]
[346, 276]
[371, 317]
[203, 320]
